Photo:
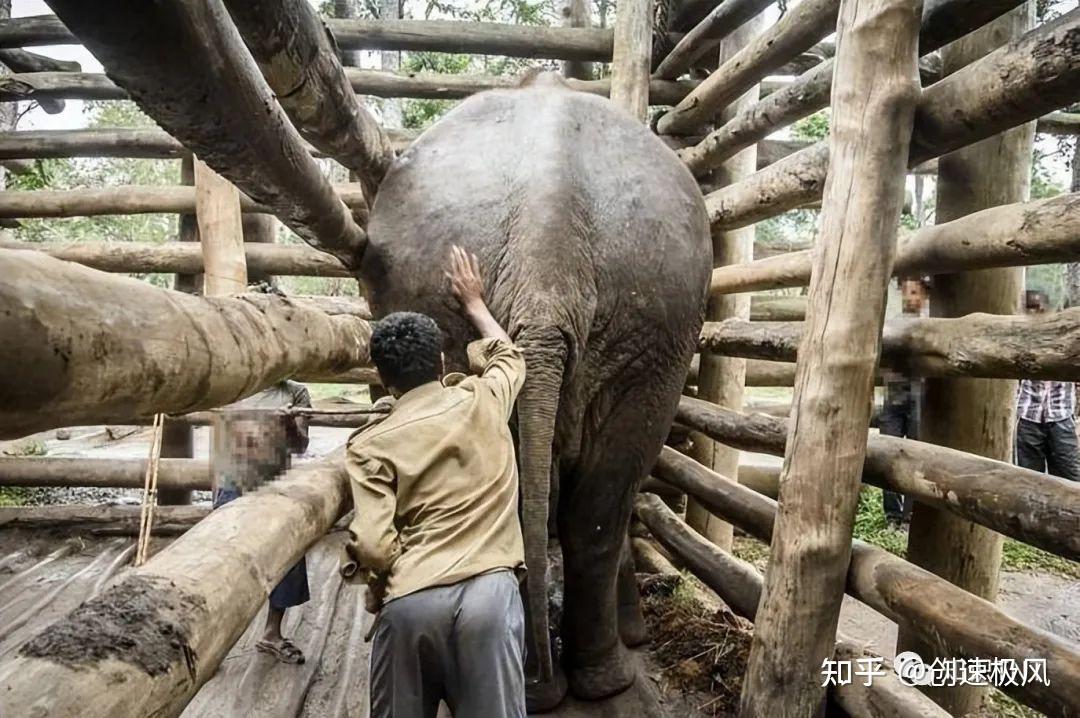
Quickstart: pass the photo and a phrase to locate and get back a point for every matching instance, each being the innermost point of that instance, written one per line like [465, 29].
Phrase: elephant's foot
[541, 697]
[605, 677]
[632, 629]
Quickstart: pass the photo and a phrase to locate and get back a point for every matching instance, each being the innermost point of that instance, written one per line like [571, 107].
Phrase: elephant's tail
[546, 352]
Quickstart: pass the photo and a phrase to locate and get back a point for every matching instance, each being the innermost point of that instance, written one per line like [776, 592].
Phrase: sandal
[284, 651]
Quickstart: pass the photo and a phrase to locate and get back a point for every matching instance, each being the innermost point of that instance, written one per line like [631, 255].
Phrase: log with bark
[123, 520]
[1044, 346]
[942, 22]
[873, 105]
[158, 632]
[131, 199]
[1017, 83]
[35, 30]
[1060, 123]
[186, 66]
[299, 60]
[794, 33]
[73, 355]
[906, 594]
[221, 233]
[724, 19]
[186, 258]
[1027, 505]
[18, 60]
[739, 585]
[577, 13]
[1043, 231]
[632, 57]
[183, 474]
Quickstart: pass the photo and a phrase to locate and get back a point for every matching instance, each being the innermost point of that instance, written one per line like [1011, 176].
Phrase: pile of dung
[698, 649]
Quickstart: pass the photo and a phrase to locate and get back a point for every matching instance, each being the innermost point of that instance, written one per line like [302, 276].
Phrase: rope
[149, 499]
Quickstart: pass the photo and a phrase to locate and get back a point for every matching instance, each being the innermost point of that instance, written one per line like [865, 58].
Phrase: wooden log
[221, 233]
[132, 199]
[906, 594]
[1045, 346]
[18, 60]
[978, 415]
[775, 308]
[168, 520]
[874, 92]
[182, 610]
[1039, 232]
[299, 60]
[795, 32]
[183, 474]
[1017, 83]
[632, 56]
[258, 229]
[577, 13]
[186, 66]
[725, 18]
[145, 257]
[474, 38]
[722, 379]
[942, 22]
[739, 585]
[51, 86]
[1060, 123]
[35, 30]
[1027, 505]
[73, 357]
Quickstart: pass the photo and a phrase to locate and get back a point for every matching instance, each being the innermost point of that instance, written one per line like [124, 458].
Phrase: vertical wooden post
[259, 228]
[576, 13]
[221, 233]
[632, 56]
[178, 439]
[722, 379]
[875, 89]
[390, 61]
[973, 415]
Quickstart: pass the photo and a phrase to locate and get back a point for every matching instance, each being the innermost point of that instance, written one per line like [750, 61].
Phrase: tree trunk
[905, 594]
[721, 379]
[873, 109]
[575, 13]
[194, 599]
[972, 415]
[74, 355]
[173, 474]
[725, 18]
[795, 32]
[1072, 269]
[390, 61]
[1017, 83]
[632, 57]
[739, 585]
[1027, 505]
[186, 66]
[221, 233]
[299, 60]
[1037, 232]
[942, 22]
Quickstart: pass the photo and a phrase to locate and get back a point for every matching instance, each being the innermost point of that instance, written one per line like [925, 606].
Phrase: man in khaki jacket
[436, 530]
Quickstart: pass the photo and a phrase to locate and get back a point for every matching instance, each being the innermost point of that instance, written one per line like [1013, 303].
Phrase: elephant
[595, 249]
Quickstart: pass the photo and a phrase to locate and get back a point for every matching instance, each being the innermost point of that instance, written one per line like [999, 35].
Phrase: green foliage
[12, 496]
[1000, 705]
[812, 128]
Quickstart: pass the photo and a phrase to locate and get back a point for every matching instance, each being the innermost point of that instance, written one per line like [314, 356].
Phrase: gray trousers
[462, 643]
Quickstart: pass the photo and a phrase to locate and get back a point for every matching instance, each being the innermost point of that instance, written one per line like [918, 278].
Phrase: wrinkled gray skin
[595, 250]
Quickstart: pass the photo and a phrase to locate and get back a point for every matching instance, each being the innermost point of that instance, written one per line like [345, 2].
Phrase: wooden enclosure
[254, 100]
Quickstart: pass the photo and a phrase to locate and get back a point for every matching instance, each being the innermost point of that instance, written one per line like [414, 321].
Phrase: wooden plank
[221, 233]
[183, 474]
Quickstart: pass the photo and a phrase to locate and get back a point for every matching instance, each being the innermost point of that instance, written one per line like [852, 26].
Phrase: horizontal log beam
[739, 584]
[724, 19]
[186, 66]
[942, 22]
[18, 60]
[183, 610]
[905, 593]
[130, 199]
[992, 346]
[120, 142]
[795, 32]
[123, 520]
[186, 258]
[1029, 506]
[183, 474]
[35, 30]
[1060, 123]
[73, 355]
[474, 38]
[1017, 83]
[1039, 232]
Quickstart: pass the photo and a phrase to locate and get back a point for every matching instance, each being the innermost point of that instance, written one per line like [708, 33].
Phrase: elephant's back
[546, 185]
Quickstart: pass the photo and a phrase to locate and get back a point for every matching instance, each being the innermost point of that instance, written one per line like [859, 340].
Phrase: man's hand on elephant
[465, 280]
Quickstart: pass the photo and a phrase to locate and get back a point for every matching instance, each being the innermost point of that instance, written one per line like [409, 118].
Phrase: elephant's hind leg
[631, 620]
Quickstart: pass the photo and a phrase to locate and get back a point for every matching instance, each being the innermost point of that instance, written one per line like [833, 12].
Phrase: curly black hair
[407, 350]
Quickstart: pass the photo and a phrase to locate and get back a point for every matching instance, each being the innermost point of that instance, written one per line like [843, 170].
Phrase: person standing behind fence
[1045, 427]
